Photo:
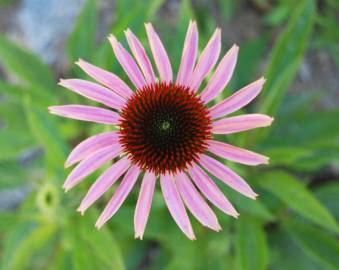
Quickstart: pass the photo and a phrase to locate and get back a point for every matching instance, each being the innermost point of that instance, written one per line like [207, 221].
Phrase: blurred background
[292, 224]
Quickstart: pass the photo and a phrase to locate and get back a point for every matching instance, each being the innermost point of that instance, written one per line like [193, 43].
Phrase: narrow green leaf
[12, 143]
[294, 194]
[81, 43]
[29, 245]
[319, 245]
[41, 96]
[25, 65]
[251, 245]
[45, 129]
[328, 194]
[286, 56]
[100, 247]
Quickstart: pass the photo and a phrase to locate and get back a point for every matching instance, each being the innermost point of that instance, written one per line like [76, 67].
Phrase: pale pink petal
[159, 53]
[119, 196]
[90, 164]
[188, 55]
[103, 183]
[226, 175]
[241, 123]
[141, 56]
[108, 79]
[91, 145]
[195, 203]
[238, 100]
[221, 76]
[211, 191]
[236, 154]
[143, 206]
[94, 92]
[127, 63]
[175, 205]
[207, 60]
[86, 113]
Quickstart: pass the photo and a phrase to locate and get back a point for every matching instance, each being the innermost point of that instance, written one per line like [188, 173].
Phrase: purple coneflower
[166, 130]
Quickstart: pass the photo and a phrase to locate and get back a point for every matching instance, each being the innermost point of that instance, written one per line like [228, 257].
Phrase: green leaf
[294, 194]
[286, 253]
[287, 155]
[25, 65]
[92, 247]
[251, 246]
[328, 194]
[319, 245]
[12, 174]
[245, 205]
[12, 143]
[29, 244]
[18, 93]
[286, 56]
[7, 220]
[81, 43]
[44, 127]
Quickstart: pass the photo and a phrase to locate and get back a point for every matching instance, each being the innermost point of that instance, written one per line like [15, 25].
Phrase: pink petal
[159, 54]
[188, 55]
[221, 76]
[175, 205]
[103, 183]
[141, 56]
[195, 203]
[226, 175]
[207, 60]
[236, 154]
[89, 165]
[127, 63]
[211, 191]
[91, 145]
[94, 92]
[119, 196]
[143, 206]
[241, 123]
[108, 79]
[86, 113]
[238, 100]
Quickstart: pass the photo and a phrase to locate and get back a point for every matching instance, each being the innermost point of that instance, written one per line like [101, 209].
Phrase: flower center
[164, 128]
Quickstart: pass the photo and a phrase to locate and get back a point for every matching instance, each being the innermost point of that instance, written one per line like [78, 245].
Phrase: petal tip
[81, 210]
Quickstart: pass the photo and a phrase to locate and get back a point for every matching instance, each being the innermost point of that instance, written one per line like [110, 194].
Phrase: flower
[166, 130]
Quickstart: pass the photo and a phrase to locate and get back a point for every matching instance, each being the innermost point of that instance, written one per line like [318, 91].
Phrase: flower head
[166, 130]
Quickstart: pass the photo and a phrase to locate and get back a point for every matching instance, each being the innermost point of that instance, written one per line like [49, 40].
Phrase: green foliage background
[293, 223]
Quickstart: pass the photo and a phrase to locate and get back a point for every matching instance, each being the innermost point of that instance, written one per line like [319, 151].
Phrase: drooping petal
[238, 100]
[143, 206]
[159, 53]
[94, 92]
[86, 113]
[175, 205]
[188, 55]
[226, 175]
[104, 182]
[211, 191]
[241, 123]
[91, 145]
[108, 79]
[195, 203]
[221, 76]
[236, 154]
[90, 164]
[141, 56]
[207, 60]
[119, 196]
[127, 63]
